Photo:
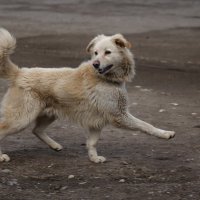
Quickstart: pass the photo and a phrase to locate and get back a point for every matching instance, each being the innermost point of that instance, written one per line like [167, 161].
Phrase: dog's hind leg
[19, 109]
[13, 125]
[41, 124]
[8, 128]
[92, 139]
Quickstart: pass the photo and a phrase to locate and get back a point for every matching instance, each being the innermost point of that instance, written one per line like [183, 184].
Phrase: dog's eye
[107, 52]
[95, 53]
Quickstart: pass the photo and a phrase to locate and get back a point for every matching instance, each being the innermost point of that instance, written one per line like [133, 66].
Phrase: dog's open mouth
[104, 70]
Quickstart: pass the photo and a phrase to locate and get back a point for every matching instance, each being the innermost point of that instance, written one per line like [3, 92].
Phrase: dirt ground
[165, 92]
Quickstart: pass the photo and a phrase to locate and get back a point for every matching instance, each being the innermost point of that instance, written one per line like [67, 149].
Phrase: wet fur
[83, 95]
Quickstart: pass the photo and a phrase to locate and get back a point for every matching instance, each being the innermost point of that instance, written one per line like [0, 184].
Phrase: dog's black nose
[96, 64]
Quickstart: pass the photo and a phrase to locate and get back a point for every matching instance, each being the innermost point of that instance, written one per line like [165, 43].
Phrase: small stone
[134, 103]
[150, 192]
[82, 183]
[124, 163]
[174, 104]
[138, 86]
[163, 93]
[193, 114]
[162, 110]
[63, 188]
[145, 90]
[57, 187]
[71, 176]
[6, 171]
[12, 182]
[122, 180]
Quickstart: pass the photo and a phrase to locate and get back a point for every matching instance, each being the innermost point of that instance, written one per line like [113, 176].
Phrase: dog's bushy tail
[7, 45]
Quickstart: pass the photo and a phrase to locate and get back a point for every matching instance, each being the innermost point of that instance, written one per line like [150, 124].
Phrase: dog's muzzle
[96, 65]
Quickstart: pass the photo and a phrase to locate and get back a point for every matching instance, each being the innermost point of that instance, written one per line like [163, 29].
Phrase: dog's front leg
[92, 139]
[130, 122]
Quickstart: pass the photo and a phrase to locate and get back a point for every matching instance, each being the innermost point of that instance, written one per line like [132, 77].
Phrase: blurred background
[164, 31]
[165, 35]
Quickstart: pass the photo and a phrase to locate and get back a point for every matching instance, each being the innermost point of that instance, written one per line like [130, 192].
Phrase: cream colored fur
[90, 96]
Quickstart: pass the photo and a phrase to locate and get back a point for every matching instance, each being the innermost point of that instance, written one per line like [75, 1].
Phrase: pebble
[12, 182]
[63, 188]
[82, 183]
[150, 192]
[6, 171]
[162, 110]
[134, 103]
[124, 163]
[138, 86]
[51, 165]
[174, 104]
[122, 180]
[71, 176]
[193, 113]
[145, 90]
[164, 93]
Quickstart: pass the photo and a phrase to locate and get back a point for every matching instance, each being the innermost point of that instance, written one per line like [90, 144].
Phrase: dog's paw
[98, 159]
[4, 158]
[57, 147]
[167, 134]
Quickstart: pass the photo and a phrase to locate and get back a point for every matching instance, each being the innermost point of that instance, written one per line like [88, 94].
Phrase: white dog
[92, 95]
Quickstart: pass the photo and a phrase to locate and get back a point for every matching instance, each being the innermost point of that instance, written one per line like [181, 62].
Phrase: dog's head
[111, 57]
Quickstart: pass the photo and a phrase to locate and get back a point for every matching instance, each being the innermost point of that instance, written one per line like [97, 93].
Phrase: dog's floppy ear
[93, 42]
[120, 41]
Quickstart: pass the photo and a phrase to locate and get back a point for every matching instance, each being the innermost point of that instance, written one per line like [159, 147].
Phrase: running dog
[92, 95]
